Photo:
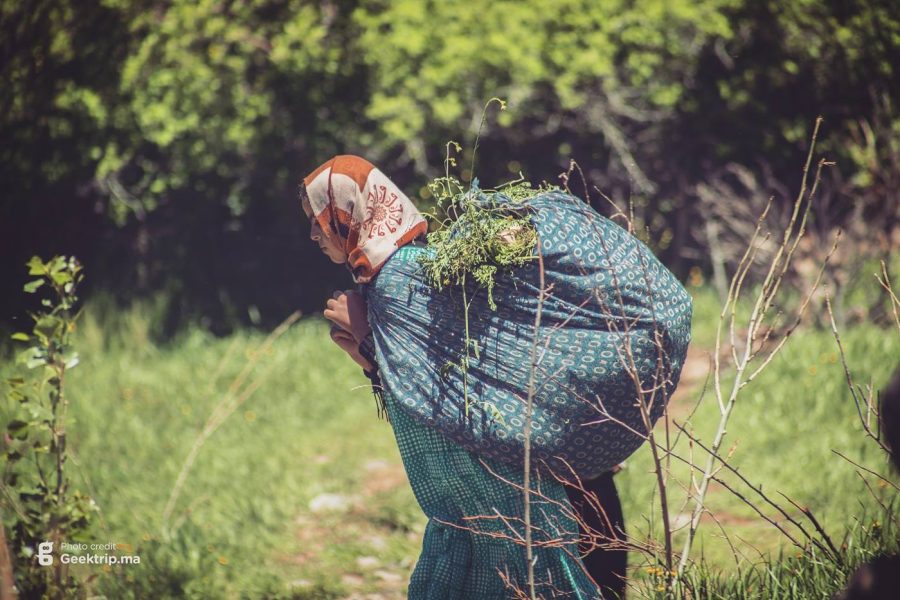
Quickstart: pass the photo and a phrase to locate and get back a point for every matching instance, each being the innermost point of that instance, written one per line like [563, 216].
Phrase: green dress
[450, 484]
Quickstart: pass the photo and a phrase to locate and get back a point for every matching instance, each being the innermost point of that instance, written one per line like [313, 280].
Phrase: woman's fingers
[357, 314]
[339, 335]
[336, 310]
[343, 339]
[337, 316]
[345, 342]
[348, 344]
[347, 310]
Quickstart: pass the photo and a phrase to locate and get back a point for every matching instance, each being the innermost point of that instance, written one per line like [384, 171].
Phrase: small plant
[484, 231]
[36, 494]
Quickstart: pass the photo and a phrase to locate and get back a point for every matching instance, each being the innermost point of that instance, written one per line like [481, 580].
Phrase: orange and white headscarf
[354, 201]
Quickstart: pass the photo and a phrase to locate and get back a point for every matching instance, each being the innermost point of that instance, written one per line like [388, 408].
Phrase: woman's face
[329, 246]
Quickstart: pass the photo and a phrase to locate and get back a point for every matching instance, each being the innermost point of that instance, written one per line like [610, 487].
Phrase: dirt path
[694, 374]
[359, 528]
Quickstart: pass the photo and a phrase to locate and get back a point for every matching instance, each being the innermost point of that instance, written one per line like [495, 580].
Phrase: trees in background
[163, 141]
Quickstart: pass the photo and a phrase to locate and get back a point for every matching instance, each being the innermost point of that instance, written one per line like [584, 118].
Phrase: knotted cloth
[613, 320]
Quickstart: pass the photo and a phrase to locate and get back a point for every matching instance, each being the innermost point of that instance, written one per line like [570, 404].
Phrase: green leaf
[37, 361]
[22, 337]
[39, 412]
[49, 326]
[32, 286]
[36, 266]
[61, 277]
[18, 429]
[30, 357]
[56, 264]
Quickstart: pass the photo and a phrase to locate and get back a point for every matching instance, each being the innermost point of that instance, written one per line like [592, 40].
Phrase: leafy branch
[35, 483]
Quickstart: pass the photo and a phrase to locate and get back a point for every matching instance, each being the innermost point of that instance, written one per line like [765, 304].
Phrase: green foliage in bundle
[483, 231]
[479, 233]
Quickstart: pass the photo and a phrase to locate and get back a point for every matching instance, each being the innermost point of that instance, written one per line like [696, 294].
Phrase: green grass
[245, 527]
[309, 429]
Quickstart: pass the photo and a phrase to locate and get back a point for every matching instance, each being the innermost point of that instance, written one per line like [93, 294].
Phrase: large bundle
[614, 330]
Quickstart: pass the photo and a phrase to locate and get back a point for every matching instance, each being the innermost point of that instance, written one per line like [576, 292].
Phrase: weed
[484, 231]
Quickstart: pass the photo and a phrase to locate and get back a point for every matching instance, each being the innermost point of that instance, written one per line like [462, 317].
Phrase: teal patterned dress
[483, 562]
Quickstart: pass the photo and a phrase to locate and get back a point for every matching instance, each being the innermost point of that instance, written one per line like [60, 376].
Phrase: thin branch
[224, 409]
[529, 403]
[868, 470]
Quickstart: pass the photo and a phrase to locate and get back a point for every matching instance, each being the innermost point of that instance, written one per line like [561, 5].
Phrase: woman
[361, 219]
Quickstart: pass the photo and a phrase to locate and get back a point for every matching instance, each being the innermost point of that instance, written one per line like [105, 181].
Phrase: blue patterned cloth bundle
[613, 335]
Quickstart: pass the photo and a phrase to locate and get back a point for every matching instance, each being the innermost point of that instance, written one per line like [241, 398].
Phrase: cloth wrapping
[613, 318]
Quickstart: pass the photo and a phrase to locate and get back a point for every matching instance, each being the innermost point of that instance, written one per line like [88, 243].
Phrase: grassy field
[783, 431]
[300, 493]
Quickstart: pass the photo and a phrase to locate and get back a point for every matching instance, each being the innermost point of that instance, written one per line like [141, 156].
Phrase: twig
[724, 464]
[886, 284]
[868, 470]
[528, 416]
[7, 583]
[809, 515]
[771, 284]
[224, 409]
[854, 391]
[884, 508]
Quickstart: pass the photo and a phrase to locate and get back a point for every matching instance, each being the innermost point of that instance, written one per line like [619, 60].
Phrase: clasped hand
[347, 313]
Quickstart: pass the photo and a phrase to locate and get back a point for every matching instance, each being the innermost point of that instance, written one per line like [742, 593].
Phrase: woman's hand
[349, 345]
[347, 310]
[348, 314]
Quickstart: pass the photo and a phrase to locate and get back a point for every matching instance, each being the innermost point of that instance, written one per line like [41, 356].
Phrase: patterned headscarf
[354, 201]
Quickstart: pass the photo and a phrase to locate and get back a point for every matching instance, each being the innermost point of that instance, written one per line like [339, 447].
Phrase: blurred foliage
[434, 63]
[163, 141]
[38, 505]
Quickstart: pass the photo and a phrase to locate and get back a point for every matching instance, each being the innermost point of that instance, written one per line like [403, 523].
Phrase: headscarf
[354, 201]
